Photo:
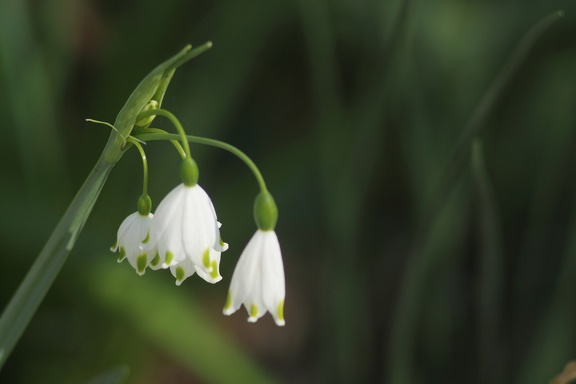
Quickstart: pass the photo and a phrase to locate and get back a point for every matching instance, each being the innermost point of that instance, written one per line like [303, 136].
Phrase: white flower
[185, 234]
[258, 279]
[132, 234]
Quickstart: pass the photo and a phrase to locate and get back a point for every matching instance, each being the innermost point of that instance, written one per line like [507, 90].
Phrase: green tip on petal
[169, 257]
[141, 263]
[228, 303]
[122, 254]
[206, 258]
[280, 313]
[253, 312]
[214, 274]
[115, 245]
[155, 260]
[147, 239]
[265, 211]
[179, 274]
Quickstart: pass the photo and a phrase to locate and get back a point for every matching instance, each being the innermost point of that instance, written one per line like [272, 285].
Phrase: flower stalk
[151, 134]
[32, 290]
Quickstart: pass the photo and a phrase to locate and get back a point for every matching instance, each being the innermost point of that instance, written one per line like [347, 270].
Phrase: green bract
[152, 87]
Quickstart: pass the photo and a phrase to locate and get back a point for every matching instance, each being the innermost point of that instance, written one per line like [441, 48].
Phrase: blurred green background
[353, 110]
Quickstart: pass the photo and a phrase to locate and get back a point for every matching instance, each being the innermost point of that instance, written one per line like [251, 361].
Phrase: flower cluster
[183, 235]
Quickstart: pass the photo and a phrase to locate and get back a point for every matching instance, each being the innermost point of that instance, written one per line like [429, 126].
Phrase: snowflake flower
[185, 234]
[132, 234]
[258, 279]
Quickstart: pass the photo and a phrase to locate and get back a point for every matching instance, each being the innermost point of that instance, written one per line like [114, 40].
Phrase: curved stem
[179, 148]
[158, 134]
[181, 133]
[144, 164]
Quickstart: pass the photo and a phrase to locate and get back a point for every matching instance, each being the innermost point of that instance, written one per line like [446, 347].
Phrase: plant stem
[144, 165]
[41, 275]
[158, 134]
[174, 120]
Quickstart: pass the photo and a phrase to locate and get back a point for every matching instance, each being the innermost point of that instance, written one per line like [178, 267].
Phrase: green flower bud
[189, 172]
[265, 211]
[152, 104]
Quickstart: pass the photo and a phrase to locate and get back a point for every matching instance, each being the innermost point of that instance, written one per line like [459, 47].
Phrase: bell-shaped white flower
[258, 279]
[185, 233]
[133, 233]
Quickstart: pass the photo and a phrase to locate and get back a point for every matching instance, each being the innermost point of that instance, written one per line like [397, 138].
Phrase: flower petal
[258, 279]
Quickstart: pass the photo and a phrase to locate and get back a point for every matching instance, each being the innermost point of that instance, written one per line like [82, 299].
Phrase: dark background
[406, 262]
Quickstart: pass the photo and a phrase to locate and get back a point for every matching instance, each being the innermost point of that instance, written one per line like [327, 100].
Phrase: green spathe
[152, 87]
[265, 211]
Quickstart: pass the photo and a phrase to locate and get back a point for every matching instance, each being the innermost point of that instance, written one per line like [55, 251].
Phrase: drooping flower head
[133, 233]
[185, 232]
[258, 279]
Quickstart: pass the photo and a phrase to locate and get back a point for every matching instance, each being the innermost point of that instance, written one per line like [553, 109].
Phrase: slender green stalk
[35, 285]
[144, 164]
[174, 120]
[179, 148]
[158, 134]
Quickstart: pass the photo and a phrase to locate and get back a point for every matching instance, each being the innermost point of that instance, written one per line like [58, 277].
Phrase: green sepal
[265, 212]
[189, 172]
[144, 205]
